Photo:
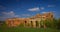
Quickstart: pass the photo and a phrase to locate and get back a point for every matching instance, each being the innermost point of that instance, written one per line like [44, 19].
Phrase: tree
[58, 25]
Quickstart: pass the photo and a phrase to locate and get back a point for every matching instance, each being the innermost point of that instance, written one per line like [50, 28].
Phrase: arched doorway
[37, 24]
[25, 23]
[31, 24]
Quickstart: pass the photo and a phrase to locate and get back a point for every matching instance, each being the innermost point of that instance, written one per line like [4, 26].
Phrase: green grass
[3, 28]
[22, 29]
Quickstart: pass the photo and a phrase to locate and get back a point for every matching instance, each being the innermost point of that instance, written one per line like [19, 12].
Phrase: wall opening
[37, 23]
[31, 24]
[25, 22]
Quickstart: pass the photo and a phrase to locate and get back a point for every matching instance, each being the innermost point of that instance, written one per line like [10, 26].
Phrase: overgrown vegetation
[55, 23]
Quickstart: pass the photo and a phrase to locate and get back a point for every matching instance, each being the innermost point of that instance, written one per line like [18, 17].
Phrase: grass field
[4, 28]
[22, 29]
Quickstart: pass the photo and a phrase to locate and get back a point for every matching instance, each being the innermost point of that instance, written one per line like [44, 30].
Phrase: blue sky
[28, 8]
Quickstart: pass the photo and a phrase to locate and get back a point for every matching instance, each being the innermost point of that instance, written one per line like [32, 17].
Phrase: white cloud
[41, 8]
[34, 9]
[44, 12]
[26, 15]
[51, 5]
[9, 13]
[48, 12]
[12, 14]
[16, 16]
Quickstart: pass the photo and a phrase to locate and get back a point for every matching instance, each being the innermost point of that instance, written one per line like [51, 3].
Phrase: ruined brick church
[33, 21]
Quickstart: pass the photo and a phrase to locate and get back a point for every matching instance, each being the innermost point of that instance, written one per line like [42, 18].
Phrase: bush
[55, 23]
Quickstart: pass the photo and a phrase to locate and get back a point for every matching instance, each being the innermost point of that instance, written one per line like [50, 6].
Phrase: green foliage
[55, 23]
[47, 23]
[21, 25]
[22, 29]
[58, 25]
